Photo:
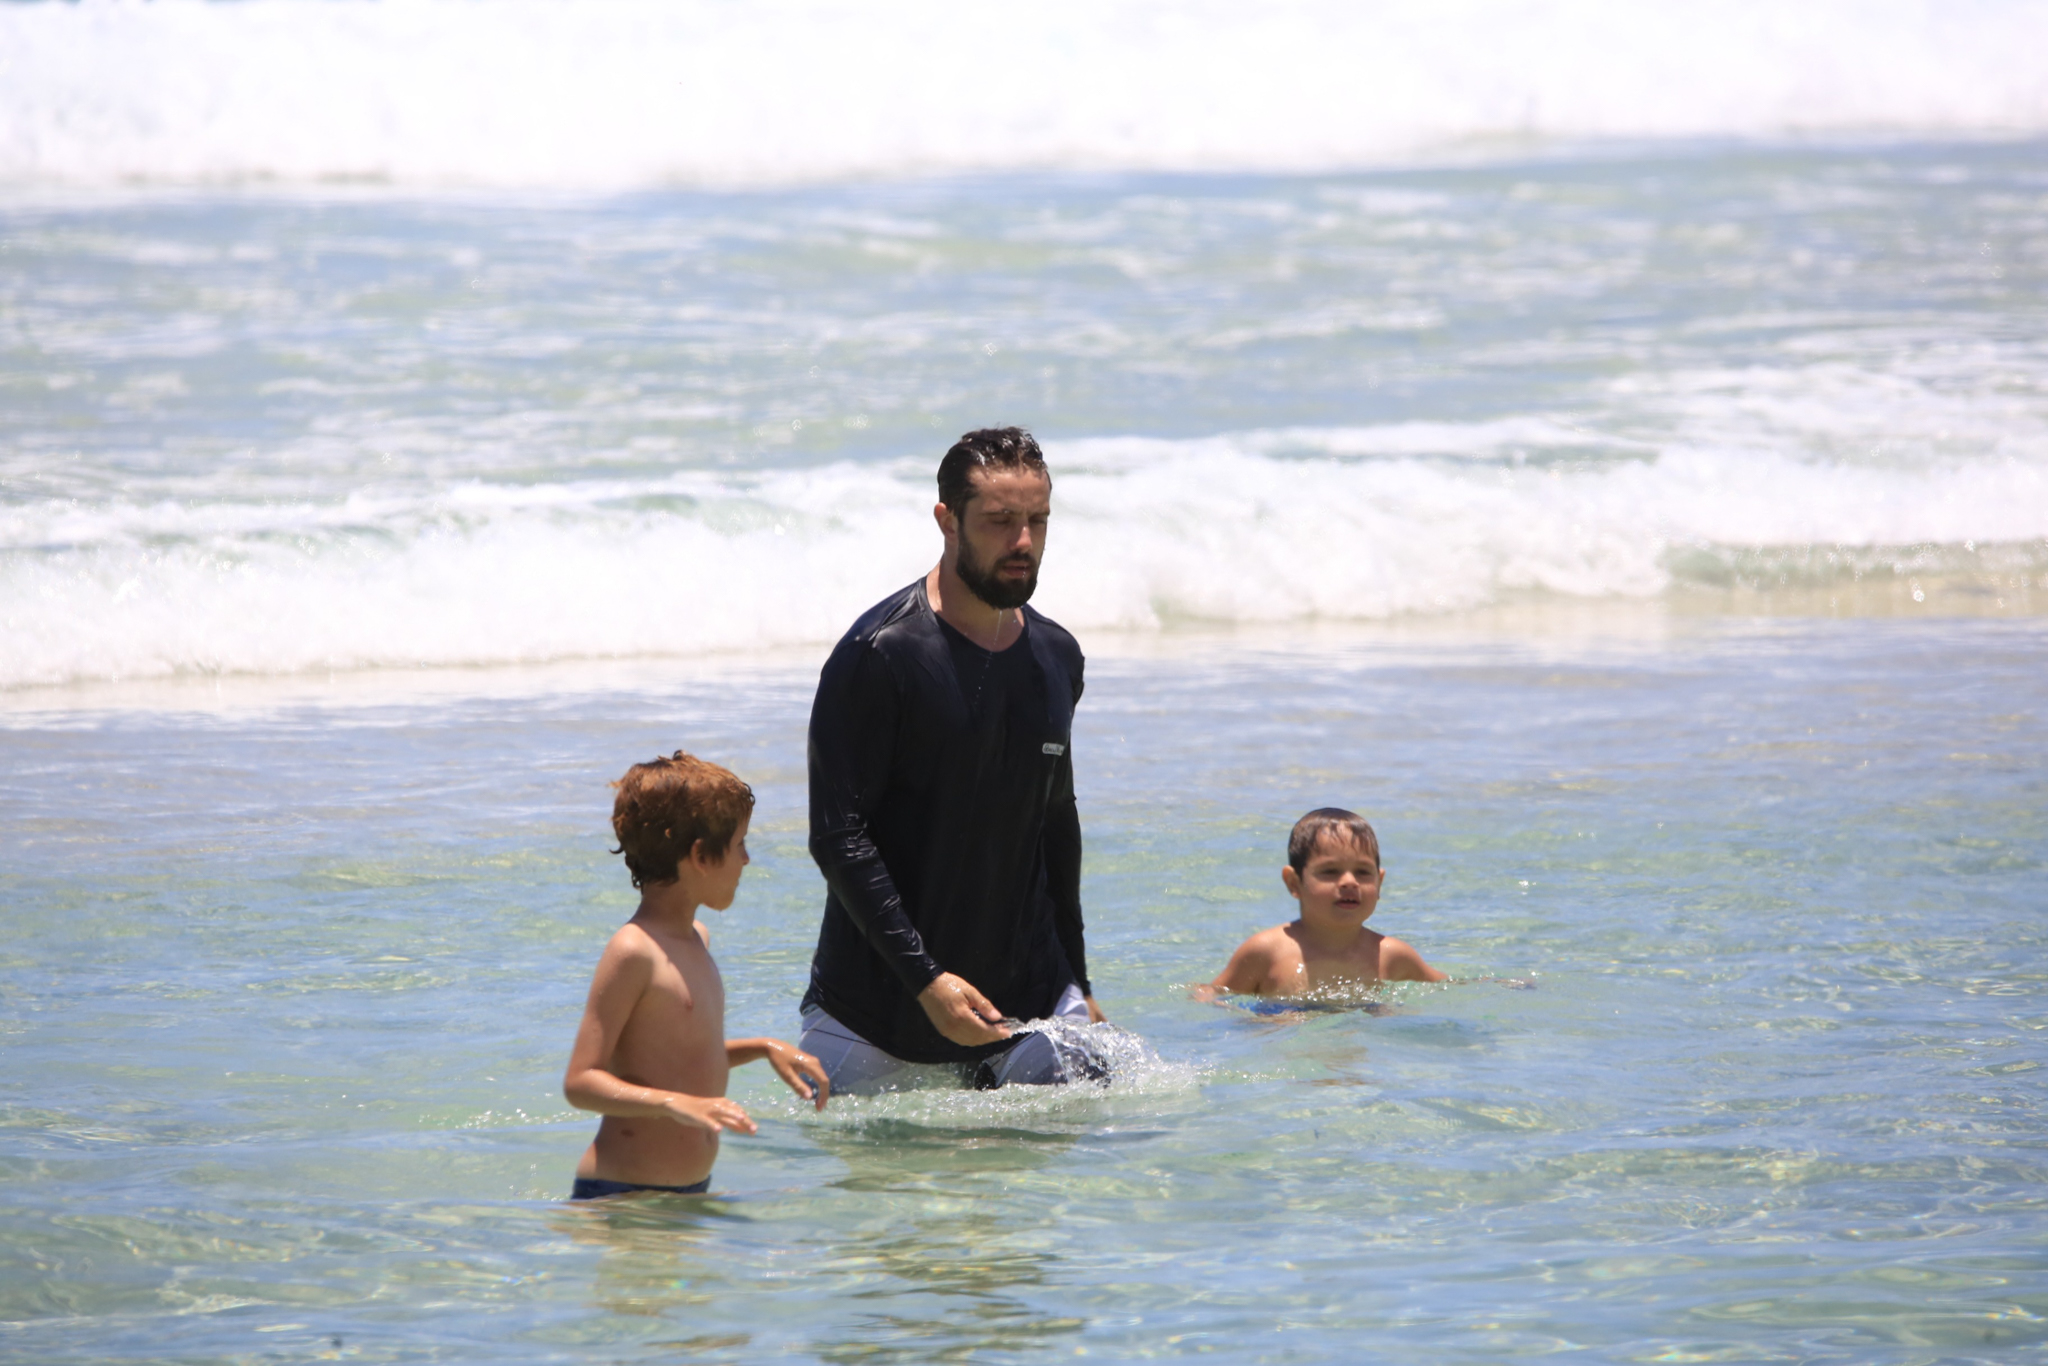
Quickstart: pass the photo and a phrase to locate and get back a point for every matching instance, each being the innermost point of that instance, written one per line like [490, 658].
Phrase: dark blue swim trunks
[1293, 1005]
[591, 1188]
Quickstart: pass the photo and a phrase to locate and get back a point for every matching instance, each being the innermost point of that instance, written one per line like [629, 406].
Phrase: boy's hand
[960, 1012]
[715, 1113]
[793, 1065]
[1095, 1015]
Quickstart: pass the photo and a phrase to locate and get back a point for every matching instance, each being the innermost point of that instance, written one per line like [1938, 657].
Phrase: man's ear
[949, 525]
[1291, 880]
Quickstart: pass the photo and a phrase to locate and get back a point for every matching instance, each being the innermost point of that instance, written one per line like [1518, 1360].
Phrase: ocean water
[1607, 445]
[289, 432]
[291, 977]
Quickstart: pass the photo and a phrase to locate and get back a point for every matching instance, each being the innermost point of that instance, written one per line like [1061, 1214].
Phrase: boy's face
[1341, 881]
[721, 877]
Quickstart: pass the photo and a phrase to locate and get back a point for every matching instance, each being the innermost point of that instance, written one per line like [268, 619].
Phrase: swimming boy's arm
[1247, 972]
[791, 1064]
[1400, 963]
[621, 979]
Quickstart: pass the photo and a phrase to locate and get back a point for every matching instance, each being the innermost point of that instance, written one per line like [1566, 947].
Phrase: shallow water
[1648, 535]
[291, 976]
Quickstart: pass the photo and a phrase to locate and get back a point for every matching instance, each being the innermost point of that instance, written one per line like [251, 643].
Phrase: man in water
[942, 804]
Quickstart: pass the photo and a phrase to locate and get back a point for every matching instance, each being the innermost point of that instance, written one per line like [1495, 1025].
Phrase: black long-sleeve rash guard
[942, 815]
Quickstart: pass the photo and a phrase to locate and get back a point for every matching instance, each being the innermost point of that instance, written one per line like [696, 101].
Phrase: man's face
[999, 539]
[1341, 882]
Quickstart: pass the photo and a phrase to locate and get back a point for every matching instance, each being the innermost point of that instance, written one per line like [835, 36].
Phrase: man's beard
[981, 581]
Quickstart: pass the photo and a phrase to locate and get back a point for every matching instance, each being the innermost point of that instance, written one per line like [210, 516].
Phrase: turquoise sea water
[289, 985]
[1649, 540]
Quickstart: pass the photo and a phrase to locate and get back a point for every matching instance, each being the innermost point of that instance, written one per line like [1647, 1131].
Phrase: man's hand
[715, 1113]
[1095, 1015]
[961, 1013]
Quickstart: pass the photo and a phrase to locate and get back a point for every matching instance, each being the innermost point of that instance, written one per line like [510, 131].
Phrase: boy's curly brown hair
[665, 806]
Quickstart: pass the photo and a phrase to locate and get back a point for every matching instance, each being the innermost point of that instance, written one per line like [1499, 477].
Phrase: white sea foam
[1256, 527]
[636, 92]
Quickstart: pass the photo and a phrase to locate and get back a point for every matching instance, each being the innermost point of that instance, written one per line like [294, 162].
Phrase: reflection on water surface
[288, 989]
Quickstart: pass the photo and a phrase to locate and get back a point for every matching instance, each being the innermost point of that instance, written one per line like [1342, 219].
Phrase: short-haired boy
[1333, 870]
[651, 1055]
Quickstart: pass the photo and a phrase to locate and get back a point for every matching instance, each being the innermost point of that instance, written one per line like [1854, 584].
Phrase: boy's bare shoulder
[1260, 947]
[631, 940]
[635, 945]
[1257, 962]
[1400, 962]
[1268, 944]
[625, 969]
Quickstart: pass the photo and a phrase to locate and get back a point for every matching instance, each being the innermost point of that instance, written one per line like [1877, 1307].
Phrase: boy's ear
[1290, 879]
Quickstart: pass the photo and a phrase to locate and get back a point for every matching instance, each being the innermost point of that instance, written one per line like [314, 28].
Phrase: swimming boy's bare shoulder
[1400, 963]
[1267, 963]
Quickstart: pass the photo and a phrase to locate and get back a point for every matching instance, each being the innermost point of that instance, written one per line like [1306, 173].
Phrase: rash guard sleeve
[1063, 864]
[853, 735]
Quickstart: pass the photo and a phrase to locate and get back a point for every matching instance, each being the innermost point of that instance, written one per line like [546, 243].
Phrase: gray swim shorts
[858, 1068]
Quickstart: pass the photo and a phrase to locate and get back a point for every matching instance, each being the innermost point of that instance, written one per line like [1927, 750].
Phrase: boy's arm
[620, 980]
[1399, 963]
[1246, 972]
[791, 1064]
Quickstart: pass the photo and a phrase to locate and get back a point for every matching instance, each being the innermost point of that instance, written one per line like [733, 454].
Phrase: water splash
[1099, 1054]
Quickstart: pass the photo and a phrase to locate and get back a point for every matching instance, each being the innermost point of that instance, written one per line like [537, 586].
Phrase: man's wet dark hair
[1310, 830]
[991, 448]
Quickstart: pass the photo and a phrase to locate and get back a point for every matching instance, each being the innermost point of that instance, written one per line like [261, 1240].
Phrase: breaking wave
[1329, 524]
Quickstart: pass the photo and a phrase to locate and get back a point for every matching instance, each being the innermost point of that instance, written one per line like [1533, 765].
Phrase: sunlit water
[1648, 541]
[289, 984]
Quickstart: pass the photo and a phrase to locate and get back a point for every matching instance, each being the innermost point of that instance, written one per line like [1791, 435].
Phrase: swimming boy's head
[1329, 825]
[1333, 867]
[669, 808]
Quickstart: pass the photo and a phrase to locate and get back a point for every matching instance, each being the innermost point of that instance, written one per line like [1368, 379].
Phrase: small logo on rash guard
[1053, 747]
